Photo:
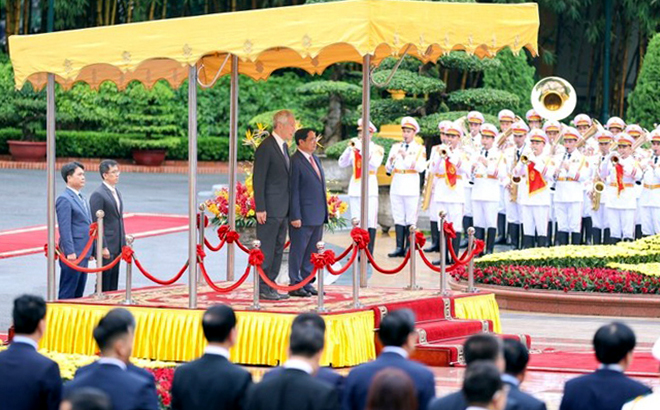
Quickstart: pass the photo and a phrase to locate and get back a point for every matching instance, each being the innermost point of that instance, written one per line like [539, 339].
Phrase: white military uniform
[488, 180]
[347, 159]
[404, 190]
[650, 199]
[569, 191]
[450, 199]
[597, 164]
[535, 207]
[621, 206]
[513, 211]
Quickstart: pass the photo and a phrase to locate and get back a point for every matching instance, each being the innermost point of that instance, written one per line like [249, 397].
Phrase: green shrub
[387, 110]
[429, 124]
[462, 61]
[516, 75]
[334, 151]
[7, 134]
[409, 82]
[150, 143]
[488, 101]
[644, 100]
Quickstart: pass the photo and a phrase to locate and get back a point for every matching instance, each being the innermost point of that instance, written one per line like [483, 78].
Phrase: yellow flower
[250, 212]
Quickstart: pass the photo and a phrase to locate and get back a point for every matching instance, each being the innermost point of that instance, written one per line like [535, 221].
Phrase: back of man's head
[116, 324]
[516, 357]
[482, 346]
[309, 319]
[481, 383]
[396, 327]
[613, 342]
[306, 341]
[218, 322]
[87, 398]
[28, 311]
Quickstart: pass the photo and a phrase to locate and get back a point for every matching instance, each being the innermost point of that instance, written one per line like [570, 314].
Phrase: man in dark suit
[87, 399]
[126, 390]
[397, 333]
[271, 197]
[28, 380]
[295, 387]
[308, 209]
[479, 347]
[108, 199]
[212, 381]
[73, 219]
[516, 358]
[325, 374]
[483, 387]
[607, 388]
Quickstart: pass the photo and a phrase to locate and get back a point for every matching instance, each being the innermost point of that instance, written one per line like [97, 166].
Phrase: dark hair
[105, 165]
[28, 312]
[480, 383]
[613, 342]
[305, 340]
[69, 168]
[482, 347]
[392, 389]
[114, 325]
[516, 357]
[301, 135]
[309, 319]
[396, 327]
[88, 398]
[217, 322]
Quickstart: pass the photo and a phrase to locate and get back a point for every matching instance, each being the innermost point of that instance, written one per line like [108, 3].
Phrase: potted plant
[28, 109]
[150, 151]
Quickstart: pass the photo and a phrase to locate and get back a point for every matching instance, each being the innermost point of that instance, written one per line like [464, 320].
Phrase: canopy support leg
[364, 193]
[192, 187]
[50, 190]
[233, 153]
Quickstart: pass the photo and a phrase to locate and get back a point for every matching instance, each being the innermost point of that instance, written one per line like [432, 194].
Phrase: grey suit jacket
[114, 236]
[271, 179]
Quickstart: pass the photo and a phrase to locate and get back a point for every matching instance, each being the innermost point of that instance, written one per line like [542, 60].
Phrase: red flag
[357, 164]
[450, 173]
[535, 180]
[619, 178]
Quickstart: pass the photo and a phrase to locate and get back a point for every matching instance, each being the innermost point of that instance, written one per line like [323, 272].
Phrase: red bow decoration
[479, 246]
[127, 254]
[46, 252]
[222, 232]
[206, 221]
[449, 230]
[321, 260]
[200, 253]
[93, 227]
[360, 237]
[256, 257]
[233, 236]
[420, 239]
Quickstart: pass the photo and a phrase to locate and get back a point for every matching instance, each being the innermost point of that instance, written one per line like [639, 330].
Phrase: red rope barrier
[297, 286]
[90, 270]
[93, 234]
[228, 289]
[348, 264]
[360, 237]
[388, 271]
[343, 254]
[214, 248]
[156, 280]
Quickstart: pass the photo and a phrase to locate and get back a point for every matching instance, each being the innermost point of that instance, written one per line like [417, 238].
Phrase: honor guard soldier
[553, 130]
[433, 206]
[615, 125]
[511, 194]
[451, 168]
[506, 118]
[534, 119]
[636, 132]
[598, 192]
[475, 120]
[489, 171]
[570, 176]
[352, 157]
[471, 147]
[650, 200]
[621, 173]
[406, 160]
[535, 170]
[583, 122]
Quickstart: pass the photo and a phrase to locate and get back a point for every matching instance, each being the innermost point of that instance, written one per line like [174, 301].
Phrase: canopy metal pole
[192, 187]
[50, 189]
[233, 153]
[364, 193]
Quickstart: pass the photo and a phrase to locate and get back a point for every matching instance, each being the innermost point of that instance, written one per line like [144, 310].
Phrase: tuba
[553, 98]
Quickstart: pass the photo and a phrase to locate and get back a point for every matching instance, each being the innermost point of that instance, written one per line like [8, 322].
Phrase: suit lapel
[279, 151]
[78, 202]
[111, 198]
[309, 165]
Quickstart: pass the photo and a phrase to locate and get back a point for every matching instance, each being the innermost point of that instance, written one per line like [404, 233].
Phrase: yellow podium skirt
[481, 307]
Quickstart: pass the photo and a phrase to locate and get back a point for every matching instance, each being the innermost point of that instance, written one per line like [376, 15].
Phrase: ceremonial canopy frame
[255, 44]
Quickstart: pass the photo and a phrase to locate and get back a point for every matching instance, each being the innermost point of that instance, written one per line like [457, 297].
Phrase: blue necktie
[84, 204]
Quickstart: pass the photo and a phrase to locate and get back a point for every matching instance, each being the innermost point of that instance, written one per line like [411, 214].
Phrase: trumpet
[443, 150]
[615, 159]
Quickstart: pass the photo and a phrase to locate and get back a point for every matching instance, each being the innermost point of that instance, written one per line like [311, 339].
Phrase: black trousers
[110, 277]
[303, 244]
[272, 235]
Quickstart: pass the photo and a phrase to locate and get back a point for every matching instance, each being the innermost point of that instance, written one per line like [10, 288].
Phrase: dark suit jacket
[114, 236]
[308, 201]
[271, 179]
[324, 374]
[126, 389]
[456, 401]
[210, 382]
[73, 223]
[358, 381]
[293, 389]
[523, 401]
[28, 380]
[130, 367]
[601, 390]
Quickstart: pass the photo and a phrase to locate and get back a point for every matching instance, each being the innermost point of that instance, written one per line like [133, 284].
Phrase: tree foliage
[513, 74]
[644, 100]
[486, 100]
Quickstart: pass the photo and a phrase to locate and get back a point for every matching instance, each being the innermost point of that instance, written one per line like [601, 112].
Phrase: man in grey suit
[107, 198]
[308, 209]
[271, 197]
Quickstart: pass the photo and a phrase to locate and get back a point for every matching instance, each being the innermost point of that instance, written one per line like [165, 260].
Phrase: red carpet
[643, 365]
[26, 241]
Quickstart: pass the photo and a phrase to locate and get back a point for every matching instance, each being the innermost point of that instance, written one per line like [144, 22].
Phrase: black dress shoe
[301, 293]
[312, 291]
[282, 296]
[268, 296]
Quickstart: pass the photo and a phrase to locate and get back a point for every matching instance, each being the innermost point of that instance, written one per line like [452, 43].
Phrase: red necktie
[316, 168]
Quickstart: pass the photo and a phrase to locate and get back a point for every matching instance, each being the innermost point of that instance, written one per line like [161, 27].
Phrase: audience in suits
[28, 380]
[295, 387]
[87, 398]
[651, 401]
[398, 336]
[325, 374]
[483, 387]
[516, 358]
[213, 381]
[392, 389]
[607, 388]
[126, 390]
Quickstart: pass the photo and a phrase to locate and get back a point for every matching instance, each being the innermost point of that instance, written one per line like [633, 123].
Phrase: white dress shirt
[114, 194]
[280, 143]
[26, 340]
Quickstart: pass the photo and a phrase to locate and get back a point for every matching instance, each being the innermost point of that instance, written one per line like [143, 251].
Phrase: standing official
[352, 157]
[271, 197]
[73, 220]
[308, 211]
[650, 199]
[108, 199]
[406, 160]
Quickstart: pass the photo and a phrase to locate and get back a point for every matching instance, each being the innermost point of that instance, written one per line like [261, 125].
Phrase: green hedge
[429, 124]
[486, 100]
[334, 151]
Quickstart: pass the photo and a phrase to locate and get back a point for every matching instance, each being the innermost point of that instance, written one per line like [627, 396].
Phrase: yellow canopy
[311, 37]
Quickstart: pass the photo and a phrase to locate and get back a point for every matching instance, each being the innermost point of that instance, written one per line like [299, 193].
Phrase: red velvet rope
[200, 253]
[343, 254]
[228, 289]
[206, 221]
[360, 237]
[420, 239]
[91, 270]
[214, 248]
[93, 234]
[297, 286]
[348, 264]
[127, 254]
[156, 280]
[388, 271]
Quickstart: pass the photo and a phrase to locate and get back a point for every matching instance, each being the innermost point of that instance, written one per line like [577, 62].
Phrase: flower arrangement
[246, 216]
[336, 207]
